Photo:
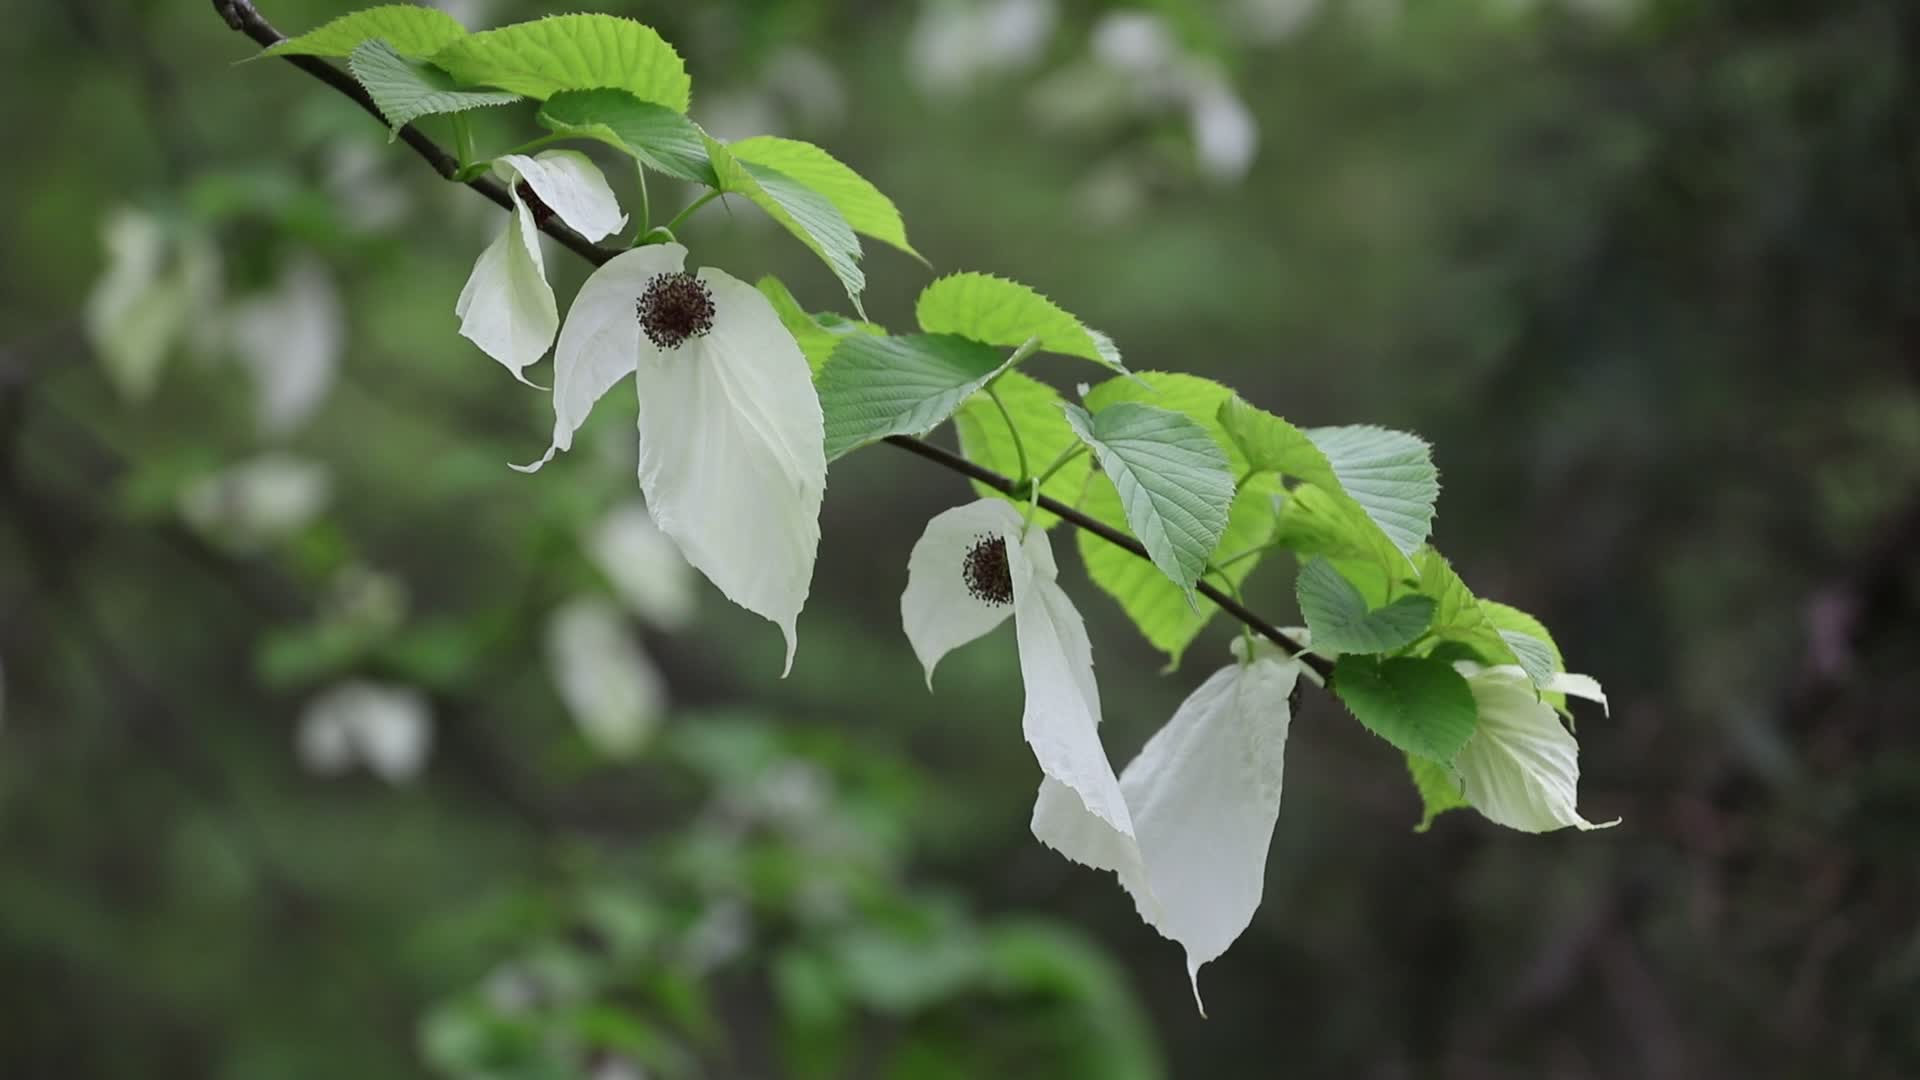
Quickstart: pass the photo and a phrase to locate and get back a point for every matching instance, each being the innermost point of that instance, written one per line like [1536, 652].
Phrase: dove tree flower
[604, 677]
[507, 307]
[732, 458]
[389, 729]
[970, 570]
[1521, 768]
[1203, 796]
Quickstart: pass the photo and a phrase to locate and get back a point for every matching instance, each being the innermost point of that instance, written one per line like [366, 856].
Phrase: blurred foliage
[1647, 275]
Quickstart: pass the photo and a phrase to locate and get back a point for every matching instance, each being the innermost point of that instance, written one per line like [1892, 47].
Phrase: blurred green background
[329, 747]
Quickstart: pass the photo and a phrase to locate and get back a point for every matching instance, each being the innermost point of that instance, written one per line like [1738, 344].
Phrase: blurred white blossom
[251, 504]
[607, 682]
[1270, 21]
[1134, 42]
[358, 177]
[472, 14]
[721, 933]
[160, 285]
[388, 729]
[1225, 134]
[955, 43]
[289, 339]
[644, 566]
[809, 87]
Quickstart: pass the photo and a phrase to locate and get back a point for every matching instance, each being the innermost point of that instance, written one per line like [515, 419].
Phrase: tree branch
[243, 17]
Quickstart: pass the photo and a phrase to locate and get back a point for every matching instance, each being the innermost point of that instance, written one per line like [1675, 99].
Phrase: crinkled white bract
[256, 502]
[644, 566]
[507, 308]
[612, 689]
[1081, 810]
[387, 728]
[732, 458]
[1204, 794]
[1521, 768]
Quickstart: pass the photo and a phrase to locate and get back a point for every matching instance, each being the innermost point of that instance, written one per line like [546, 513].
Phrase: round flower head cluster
[986, 572]
[675, 307]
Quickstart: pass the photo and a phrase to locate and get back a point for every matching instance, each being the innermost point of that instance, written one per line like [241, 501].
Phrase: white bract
[249, 505]
[732, 458]
[507, 307]
[160, 283]
[289, 340]
[389, 729]
[1521, 768]
[644, 566]
[612, 689]
[970, 570]
[1203, 794]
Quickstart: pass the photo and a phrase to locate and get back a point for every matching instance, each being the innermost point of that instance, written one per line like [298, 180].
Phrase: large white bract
[732, 462]
[507, 307]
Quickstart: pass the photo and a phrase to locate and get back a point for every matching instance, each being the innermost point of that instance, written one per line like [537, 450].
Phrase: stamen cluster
[986, 573]
[675, 307]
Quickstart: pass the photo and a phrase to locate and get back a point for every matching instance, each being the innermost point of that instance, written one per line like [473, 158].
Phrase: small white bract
[389, 729]
[644, 566]
[605, 679]
[732, 458]
[507, 307]
[1521, 768]
[972, 569]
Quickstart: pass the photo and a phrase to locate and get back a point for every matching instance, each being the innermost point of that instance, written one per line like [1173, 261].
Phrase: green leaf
[1531, 643]
[1387, 476]
[572, 52]
[1157, 606]
[413, 31]
[1440, 790]
[1419, 704]
[1035, 409]
[1337, 614]
[865, 208]
[873, 387]
[405, 90]
[657, 137]
[799, 209]
[1315, 521]
[1459, 616]
[1002, 312]
[1172, 479]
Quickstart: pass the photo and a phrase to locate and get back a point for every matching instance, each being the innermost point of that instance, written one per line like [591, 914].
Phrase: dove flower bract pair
[1187, 825]
[732, 458]
[507, 307]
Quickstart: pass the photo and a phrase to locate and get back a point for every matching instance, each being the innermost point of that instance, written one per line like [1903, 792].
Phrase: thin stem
[1066, 455]
[241, 16]
[1258, 549]
[1019, 448]
[646, 207]
[674, 225]
[538, 143]
[463, 139]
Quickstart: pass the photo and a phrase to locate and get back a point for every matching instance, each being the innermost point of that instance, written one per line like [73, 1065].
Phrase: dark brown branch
[242, 16]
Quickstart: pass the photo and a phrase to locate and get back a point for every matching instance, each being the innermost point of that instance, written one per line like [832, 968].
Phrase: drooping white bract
[289, 339]
[605, 679]
[1521, 768]
[970, 570]
[644, 566]
[507, 307]
[732, 458]
[1203, 795]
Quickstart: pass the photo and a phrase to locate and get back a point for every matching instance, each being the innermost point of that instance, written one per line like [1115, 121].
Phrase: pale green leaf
[799, 209]
[1172, 479]
[413, 31]
[873, 387]
[1315, 521]
[1390, 474]
[1002, 312]
[405, 90]
[1417, 703]
[1035, 409]
[867, 210]
[1439, 789]
[656, 136]
[1158, 606]
[1338, 616]
[1191, 396]
[1526, 635]
[1387, 476]
[572, 52]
